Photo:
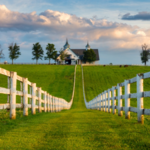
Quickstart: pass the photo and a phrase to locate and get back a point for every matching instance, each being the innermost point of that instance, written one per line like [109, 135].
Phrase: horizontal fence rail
[106, 101]
[39, 99]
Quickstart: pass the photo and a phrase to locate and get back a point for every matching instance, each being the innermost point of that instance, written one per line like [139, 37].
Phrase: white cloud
[58, 25]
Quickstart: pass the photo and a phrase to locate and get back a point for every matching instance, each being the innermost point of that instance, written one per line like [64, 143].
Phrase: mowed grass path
[77, 128]
[56, 80]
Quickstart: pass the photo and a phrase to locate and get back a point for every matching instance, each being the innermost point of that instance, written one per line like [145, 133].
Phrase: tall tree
[1, 53]
[62, 55]
[145, 54]
[55, 56]
[50, 52]
[37, 52]
[89, 56]
[14, 51]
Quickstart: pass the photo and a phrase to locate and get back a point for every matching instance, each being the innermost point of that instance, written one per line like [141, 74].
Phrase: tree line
[37, 52]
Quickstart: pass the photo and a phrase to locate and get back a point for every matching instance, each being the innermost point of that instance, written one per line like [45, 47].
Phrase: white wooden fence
[106, 101]
[37, 96]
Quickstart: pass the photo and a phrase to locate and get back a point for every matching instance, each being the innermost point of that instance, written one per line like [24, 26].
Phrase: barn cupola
[87, 46]
[66, 45]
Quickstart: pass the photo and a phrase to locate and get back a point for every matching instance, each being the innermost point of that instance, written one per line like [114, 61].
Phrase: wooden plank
[4, 90]
[20, 78]
[19, 93]
[133, 109]
[4, 106]
[19, 105]
[146, 111]
[121, 84]
[29, 96]
[133, 95]
[4, 72]
[7, 106]
[132, 80]
[122, 96]
[29, 83]
[146, 75]
[146, 94]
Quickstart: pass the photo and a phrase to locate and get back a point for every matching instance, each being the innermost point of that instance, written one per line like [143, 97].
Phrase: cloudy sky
[116, 28]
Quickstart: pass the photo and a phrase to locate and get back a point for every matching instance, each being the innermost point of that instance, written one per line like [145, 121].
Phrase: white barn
[75, 56]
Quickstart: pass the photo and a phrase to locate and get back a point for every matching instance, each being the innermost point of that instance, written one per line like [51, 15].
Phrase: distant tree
[145, 53]
[1, 53]
[50, 52]
[55, 56]
[37, 52]
[62, 55]
[14, 51]
[89, 56]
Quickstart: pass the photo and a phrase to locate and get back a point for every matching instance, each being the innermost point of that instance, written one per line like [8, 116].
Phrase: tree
[50, 51]
[144, 54]
[14, 51]
[37, 52]
[55, 56]
[62, 55]
[89, 56]
[1, 53]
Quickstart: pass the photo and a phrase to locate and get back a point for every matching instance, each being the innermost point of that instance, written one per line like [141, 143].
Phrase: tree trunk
[49, 61]
[36, 61]
[12, 61]
[145, 63]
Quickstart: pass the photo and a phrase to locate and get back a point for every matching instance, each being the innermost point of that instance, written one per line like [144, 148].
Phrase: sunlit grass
[56, 80]
[78, 128]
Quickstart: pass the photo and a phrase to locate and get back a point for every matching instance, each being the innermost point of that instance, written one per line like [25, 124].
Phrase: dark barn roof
[79, 52]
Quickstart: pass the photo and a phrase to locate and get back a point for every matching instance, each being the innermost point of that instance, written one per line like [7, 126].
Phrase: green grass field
[56, 80]
[99, 78]
[77, 128]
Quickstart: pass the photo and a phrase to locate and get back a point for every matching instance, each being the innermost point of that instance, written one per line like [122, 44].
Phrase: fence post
[57, 104]
[113, 99]
[8, 86]
[47, 99]
[55, 99]
[119, 100]
[127, 99]
[140, 105]
[106, 105]
[21, 89]
[33, 98]
[45, 93]
[95, 103]
[100, 102]
[51, 103]
[109, 95]
[39, 98]
[104, 101]
[25, 96]
[13, 76]
[54, 104]
[30, 94]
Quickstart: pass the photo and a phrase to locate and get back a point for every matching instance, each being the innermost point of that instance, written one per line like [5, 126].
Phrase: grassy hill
[77, 128]
[56, 80]
[99, 78]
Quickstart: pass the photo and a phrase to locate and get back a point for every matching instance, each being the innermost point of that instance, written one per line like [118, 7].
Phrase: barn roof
[79, 52]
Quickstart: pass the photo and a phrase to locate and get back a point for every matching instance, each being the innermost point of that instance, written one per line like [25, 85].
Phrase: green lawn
[98, 79]
[56, 80]
[78, 128]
